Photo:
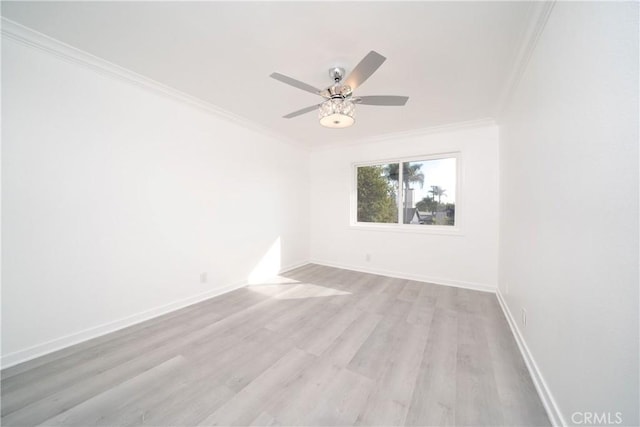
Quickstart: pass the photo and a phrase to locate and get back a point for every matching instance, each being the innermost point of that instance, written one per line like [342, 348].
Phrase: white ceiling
[453, 59]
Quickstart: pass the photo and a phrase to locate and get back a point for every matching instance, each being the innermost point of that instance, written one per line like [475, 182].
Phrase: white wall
[117, 198]
[467, 260]
[569, 208]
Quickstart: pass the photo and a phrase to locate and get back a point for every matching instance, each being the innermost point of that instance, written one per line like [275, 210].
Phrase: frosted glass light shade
[336, 113]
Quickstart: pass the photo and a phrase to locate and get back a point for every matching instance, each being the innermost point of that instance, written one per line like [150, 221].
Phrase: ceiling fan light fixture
[337, 113]
[339, 105]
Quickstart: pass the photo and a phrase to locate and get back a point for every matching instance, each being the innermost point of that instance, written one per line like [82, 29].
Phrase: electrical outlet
[203, 277]
[524, 317]
[367, 257]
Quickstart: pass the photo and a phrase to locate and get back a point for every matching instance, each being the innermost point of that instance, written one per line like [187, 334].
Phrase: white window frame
[407, 228]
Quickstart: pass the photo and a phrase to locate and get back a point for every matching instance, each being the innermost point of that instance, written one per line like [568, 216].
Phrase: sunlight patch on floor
[308, 290]
[298, 291]
[275, 280]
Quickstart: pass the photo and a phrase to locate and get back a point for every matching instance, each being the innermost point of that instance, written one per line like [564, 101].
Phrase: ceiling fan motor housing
[337, 108]
[337, 90]
[336, 73]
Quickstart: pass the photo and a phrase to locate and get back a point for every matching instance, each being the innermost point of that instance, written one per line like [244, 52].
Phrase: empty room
[320, 213]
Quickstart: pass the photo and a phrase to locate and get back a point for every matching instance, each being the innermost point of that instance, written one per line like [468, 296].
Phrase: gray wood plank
[94, 410]
[48, 379]
[266, 420]
[517, 393]
[247, 405]
[345, 395]
[434, 396]
[69, 357]
[380, 345]
[318, 341]
[316, 346]
[477, 401]
[310, 386]
[389, 401]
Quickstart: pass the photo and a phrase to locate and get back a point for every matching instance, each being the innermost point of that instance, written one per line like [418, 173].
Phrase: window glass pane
[377, 194]
[429, 192]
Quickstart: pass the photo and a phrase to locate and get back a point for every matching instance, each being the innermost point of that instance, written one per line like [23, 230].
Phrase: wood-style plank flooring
[320, 346]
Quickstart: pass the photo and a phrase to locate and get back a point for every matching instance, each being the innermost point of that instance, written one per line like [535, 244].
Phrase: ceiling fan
[338, 107]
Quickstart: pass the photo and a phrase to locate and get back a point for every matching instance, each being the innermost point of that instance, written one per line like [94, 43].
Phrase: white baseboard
[293, 266]
[550, 405]
[39, 350]
[48, 347]
[553, 411]
[419, 278]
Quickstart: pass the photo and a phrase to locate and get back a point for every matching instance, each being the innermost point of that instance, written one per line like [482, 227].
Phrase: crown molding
[36, 40]
[414, 133]
[538, 17]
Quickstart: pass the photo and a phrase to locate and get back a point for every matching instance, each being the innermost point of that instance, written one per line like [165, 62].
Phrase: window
[377, 194]
[416, 192]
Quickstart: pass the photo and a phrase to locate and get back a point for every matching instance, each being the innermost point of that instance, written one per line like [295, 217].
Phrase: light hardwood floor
[323, 346]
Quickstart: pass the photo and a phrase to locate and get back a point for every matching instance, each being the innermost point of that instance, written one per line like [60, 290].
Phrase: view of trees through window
[377, 194]
[427, 192]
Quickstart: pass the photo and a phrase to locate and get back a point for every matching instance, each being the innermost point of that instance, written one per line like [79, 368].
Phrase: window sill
[415, 229]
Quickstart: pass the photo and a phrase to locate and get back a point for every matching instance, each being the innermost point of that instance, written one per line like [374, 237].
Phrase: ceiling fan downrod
[336, 73]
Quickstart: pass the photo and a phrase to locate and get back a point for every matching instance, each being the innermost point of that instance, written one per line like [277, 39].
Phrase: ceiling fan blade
[364, 69]
[388, 100]
[295, 83]
[301, 112]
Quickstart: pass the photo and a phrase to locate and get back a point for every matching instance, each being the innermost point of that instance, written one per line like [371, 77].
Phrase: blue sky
[440, 172]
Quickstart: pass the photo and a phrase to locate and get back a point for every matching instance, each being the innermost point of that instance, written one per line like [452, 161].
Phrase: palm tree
[437, 191]
[411, 173]
[427, 204]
